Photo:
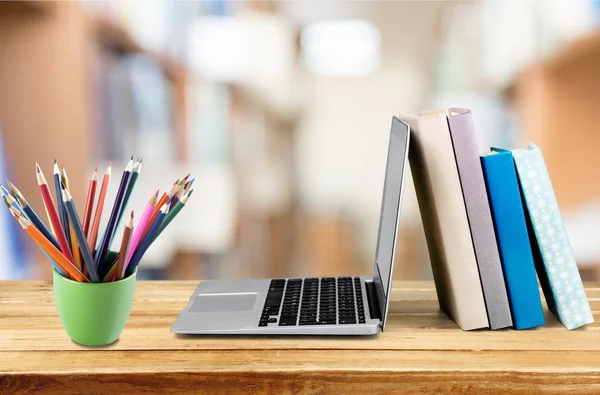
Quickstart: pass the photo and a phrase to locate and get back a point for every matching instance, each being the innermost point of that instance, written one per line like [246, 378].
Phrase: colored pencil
[175, 199]
[16, 215]
[53, 214]
[163, 200]
[12, 189]
[125, 242]
[18, 195]
[9, 199]
[146, 241]
[173, 212]
[54, 253]
[112, 272]
[59, 203]
[88, 260]
[102, 251]
[32, 215]
[72, 236]
[139, 229]
[93, 236]
[183, 190]
[188, 185]
[16, 207]
[89, 203]
[137, 169]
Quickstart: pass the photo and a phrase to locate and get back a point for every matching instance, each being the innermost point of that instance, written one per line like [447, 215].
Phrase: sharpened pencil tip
[109, 163]
[66, 194]
[190, 192]
[131, 157]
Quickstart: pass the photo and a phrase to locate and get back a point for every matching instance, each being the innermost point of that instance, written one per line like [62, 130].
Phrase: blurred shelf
[115, 37]
[555, 101]
[36, 6]
[578, 53]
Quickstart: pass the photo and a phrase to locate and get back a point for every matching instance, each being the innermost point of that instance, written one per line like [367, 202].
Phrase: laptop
[309, 306]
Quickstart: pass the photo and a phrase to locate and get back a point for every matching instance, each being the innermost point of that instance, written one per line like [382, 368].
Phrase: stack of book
[491, 222]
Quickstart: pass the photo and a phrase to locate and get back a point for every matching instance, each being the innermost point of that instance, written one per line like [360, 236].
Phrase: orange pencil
[53, 214]
[165, 197]
[54, 253]
[93, 236]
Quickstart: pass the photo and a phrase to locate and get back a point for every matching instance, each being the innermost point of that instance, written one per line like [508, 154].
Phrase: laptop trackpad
[223, 302]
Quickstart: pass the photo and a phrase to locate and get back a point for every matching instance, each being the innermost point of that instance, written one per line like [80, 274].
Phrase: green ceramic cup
[94, 314]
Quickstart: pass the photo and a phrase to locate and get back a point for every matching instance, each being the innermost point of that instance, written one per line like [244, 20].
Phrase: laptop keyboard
[314, 301]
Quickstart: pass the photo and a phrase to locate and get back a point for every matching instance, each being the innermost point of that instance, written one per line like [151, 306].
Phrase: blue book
[553, 255]
[513, 239]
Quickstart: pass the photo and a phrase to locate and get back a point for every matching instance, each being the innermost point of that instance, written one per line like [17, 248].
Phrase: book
[513, 239]
[445, 221]
[552, 252]
[472, 183]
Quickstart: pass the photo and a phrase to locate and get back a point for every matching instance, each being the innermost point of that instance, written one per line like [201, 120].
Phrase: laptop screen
[390, 213]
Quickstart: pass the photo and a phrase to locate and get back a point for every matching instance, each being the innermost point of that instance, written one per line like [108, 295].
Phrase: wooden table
[420, 351]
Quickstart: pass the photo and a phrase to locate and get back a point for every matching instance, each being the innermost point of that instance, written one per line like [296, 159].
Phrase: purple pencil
[102, 252]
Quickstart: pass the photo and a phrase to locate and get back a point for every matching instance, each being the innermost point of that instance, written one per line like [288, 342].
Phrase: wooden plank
[182, 290]
[298, 371]
[415, 324]
[420, 351]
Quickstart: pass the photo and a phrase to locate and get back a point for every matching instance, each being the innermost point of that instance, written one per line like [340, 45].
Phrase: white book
[445, 221]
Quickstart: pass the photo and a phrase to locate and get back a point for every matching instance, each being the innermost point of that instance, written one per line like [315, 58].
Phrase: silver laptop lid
[390, 214]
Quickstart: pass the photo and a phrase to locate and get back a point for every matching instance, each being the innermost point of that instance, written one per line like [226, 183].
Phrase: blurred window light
[341, 48]
[249, 49]
[218, 48]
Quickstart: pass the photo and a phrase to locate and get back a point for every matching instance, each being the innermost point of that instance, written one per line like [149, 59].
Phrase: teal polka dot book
[553, 254]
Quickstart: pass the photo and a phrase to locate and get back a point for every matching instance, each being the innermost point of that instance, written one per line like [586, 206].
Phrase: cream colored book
[447, 230]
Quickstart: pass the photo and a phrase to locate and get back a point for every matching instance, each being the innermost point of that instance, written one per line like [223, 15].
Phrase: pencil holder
[94, 314]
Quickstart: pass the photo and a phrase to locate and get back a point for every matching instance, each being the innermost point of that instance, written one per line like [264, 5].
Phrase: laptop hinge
[374, 310]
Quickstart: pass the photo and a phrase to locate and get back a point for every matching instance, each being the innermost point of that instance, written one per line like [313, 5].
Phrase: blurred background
[281, 110]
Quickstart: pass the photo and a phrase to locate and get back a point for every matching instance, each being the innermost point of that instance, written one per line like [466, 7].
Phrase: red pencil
[89, 203]
[93, 236]
[49, 203]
